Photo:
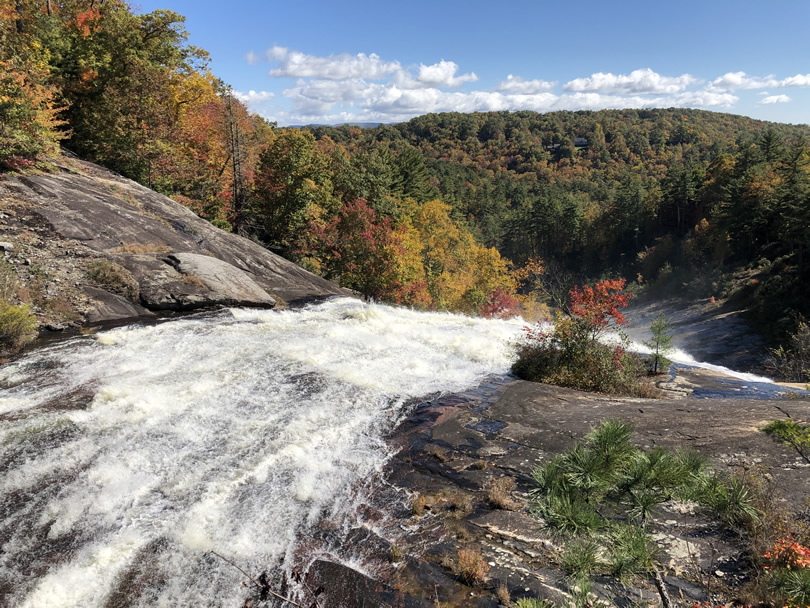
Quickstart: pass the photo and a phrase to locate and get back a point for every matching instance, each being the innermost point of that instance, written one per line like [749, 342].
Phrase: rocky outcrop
[55, 227]
[337, 585]
[453, 450]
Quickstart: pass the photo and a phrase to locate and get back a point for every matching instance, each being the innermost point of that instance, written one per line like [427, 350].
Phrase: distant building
[579, 142]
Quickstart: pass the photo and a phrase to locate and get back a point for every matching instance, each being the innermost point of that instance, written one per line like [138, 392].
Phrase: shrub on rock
[17, 326]
[580, 351]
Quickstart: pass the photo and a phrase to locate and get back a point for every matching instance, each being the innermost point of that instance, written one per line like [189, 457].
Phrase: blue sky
[299, 62]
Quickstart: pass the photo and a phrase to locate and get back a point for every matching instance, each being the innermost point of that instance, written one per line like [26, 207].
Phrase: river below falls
[128, 456]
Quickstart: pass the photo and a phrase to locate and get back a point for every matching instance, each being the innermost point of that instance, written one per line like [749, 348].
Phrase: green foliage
[291, 177]
[653, 191]
[660, 344]
[638, 191]
[604, 490]
[569, 514]
[574, 354]
[531, 192]
[793, 586]
[792, 434]
[631, 552]
[729, 498]
[17, 326]
[792, 363]
[580, 558]
[412, 178]
[116, 72]
[606, 466]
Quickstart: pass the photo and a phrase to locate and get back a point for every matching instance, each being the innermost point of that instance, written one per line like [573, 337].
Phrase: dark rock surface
[337, 585]
[706, 330]
[455, 447]
[55, 226]
[111, 307]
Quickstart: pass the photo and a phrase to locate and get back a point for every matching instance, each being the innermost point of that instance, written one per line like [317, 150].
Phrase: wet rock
[106, 306]
[706, 331]
[338, 585]
[536, 422]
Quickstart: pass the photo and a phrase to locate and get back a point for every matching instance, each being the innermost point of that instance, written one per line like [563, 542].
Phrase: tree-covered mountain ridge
[649, 194]
[490, 164]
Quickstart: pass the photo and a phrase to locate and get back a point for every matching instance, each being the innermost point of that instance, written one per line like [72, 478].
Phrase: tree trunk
[19, 21]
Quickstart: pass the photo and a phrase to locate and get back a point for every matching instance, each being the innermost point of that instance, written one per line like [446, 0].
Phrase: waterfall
[129, 455]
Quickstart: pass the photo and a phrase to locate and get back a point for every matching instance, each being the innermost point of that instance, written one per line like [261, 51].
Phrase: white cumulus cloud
[732, 81]
[702, 99]
[277, 53]
[253, 96]
[775, 99]
[740, 80]
[799, 80]
[251, 58]
[364, 87]
[638, 82]
[443, 74]
[386, 102]
[294, 64]
[516, 84]
[314, 97]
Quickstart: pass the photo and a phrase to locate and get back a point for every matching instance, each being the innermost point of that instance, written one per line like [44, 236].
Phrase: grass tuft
[499, 493]
[471, 568]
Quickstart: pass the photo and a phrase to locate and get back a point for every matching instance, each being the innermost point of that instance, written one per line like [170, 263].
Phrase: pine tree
[660, 344]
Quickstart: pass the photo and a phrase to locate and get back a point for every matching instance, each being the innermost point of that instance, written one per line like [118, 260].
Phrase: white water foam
[682, 357]
[128, 456]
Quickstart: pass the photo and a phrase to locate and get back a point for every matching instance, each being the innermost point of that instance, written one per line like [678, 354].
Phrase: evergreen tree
[660, 343]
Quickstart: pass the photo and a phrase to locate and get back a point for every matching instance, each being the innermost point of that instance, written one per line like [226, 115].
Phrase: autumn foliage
[127, 91]
[29, 116]
[787, 553]
[787, 578]
[599, 305]
[575, 351]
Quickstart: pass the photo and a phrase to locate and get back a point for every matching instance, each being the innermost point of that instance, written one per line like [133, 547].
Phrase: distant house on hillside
[579, 142]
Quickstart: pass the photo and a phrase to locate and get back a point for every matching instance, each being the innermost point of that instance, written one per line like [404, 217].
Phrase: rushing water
[127, 456]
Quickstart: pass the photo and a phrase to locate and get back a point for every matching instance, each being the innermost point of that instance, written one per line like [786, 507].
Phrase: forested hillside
[480, 213]
[654, 195]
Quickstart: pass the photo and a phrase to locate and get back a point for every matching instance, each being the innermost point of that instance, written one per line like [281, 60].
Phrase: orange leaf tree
[574, 353]
[595, 308]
